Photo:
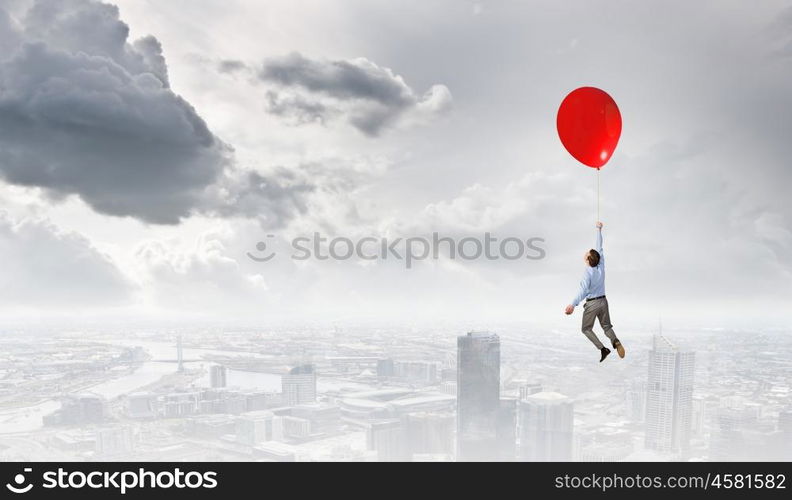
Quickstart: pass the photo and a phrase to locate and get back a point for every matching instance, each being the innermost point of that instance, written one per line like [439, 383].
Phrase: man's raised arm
[599, 241]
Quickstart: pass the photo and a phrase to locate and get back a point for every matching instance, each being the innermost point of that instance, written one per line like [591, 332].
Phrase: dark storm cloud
[358, 79]
[272, 199]
[297, 108]
[372, 97]
[85, 112]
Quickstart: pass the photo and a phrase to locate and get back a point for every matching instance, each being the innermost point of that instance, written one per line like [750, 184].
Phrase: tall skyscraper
[478, 396]
[669, 398]
[218, 376]
[546, 423]
[299, 386]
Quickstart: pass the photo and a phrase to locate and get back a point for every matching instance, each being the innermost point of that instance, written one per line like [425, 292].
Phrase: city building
[113, 442]
[430, 433]
[274, 452]
[530, 388]
[416, 371]
[449, 387]
[506, 430]
[698, 421]
[210, 426]
[180, 404]
[261, 400]
[669, 398]
[740, 434]
[77, 409]
[546, 422]
[255, 427]
[296, 428]
[478, 396]
[785, 421]
[179, 354]
[218, 376]
[368, 406]
[635, 400]
[784, 439]
[299, 385]
[388, 438]
[412, 371]
[141, 405]
[325, 419]
[385, 367]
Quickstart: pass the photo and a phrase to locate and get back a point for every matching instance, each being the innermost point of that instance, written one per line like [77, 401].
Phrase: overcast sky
[147, 146]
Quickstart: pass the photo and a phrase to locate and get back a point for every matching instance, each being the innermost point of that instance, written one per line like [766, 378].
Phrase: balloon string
[598, 195]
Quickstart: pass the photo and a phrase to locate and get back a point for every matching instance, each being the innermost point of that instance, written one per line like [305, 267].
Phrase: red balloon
[589, 125]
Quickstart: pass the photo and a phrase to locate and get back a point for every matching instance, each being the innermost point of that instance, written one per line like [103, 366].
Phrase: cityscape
[365, 393]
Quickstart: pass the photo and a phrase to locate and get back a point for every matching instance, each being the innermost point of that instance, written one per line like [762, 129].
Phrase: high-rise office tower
[299, 386]
[669, 398]
[218, 376]
[478, 396]
[546, 424]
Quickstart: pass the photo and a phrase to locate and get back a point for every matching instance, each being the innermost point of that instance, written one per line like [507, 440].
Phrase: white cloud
[203, 279]
[47, 267]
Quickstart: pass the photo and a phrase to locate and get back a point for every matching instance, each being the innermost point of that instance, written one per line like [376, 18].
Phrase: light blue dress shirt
[593, 282]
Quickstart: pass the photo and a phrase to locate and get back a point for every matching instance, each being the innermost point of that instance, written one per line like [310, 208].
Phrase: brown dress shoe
[619, 348]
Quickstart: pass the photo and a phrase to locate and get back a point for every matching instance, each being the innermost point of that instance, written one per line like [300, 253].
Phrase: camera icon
[19, 482]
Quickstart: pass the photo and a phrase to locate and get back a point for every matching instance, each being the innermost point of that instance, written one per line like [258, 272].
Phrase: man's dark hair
[593, 258]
